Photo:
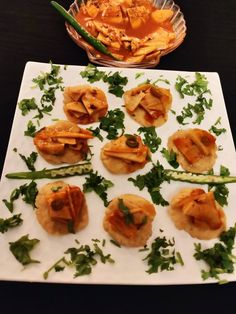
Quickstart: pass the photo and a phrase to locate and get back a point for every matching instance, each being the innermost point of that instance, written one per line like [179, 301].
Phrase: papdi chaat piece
[62, 142]
[125, 154]
[132, 30]
[148, 104]
[61, 208]
[198, 213]
[128, 220]
[84, 104]
[195, 149]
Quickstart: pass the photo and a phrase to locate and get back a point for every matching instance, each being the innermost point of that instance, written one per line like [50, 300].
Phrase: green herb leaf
[150, 138]
[98, 184]
[219, 258]
[217, 131]
[128, 216]
[28, 191]
[162, 256]
[137, 75]
[171, 157]
[14, 196]
[96, 132]
[31, 129]
[9, 223]
[112, 123]
[116, 83]
[221, 191]
[115, 243]
[21, 249]
[198, 88]
[57, 267]
[92, 73]
[30, 161]
[82, 258]
[26, 105]
[49, 78]
[152, 181]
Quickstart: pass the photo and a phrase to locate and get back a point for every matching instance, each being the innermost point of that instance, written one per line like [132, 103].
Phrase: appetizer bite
[62, 142]
[195, 149]
[125, 154]
[61, 208]
[84, 104]
[128, 220]
[131, 30]
[198, 213]
[148, 104]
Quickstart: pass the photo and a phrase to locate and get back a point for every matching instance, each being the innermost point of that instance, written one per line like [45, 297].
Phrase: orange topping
[65, 204]
[189, 149]
[116, 219]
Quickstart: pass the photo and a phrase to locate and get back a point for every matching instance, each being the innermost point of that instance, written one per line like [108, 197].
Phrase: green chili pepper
[67, 171]
[88, 37]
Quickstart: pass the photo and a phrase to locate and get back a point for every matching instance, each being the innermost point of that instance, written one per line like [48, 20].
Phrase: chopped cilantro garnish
[49, 78]
[171, 157]
[221, 191]
[115, 243]
[14, 196]
[48, 83]
[217, 131]
[112, 123]
[30, 161]
[150, 138]
[92, 73]
[198, 108]
[9, 223]
[31, 129]
[137, 75]
[199, 88]
[96, 132]
[57, 267]
[219, 258]
[28, 191]
[152, 181]
[98, 184]
[25, 105]
[21, 249]
[115, 81]
[128, 217]
[180, 82]
[82, 259]
[162, 256]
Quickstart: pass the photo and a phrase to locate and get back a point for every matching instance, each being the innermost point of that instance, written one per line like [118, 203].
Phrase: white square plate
[129, 267]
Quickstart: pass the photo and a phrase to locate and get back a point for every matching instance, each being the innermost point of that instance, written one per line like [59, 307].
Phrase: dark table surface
[31, 30]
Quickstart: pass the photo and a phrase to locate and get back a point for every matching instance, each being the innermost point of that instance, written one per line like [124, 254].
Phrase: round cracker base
[119, 166]
[42, 212]
[204, 164]
[184, 222]
[70, 156]
[143, 233]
